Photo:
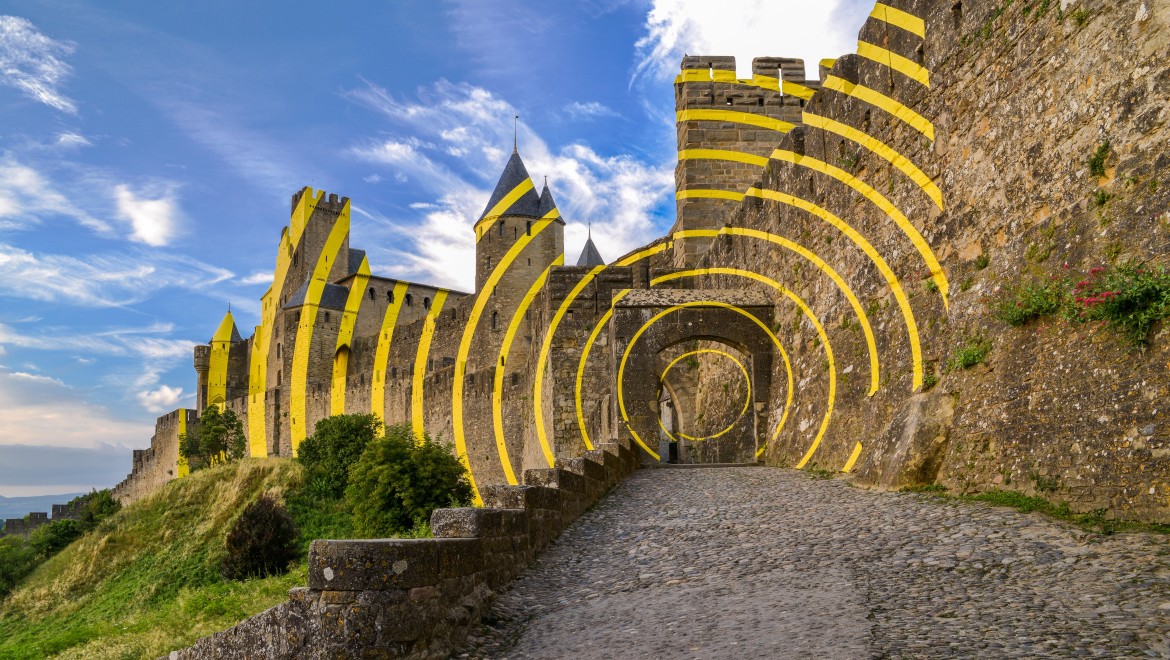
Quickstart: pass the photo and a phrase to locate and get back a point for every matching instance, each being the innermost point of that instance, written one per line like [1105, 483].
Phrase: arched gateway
[646, 326]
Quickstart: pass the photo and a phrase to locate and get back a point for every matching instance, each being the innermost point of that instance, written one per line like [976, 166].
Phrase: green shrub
[262, 542]
[94, 507]
[971, 352]
[328, 454]
[218, 437]
[1097, 160]
[1029, 301]
[48, 540]
[400, 479]
[17, 559]
[1129, 298]
[982, 261]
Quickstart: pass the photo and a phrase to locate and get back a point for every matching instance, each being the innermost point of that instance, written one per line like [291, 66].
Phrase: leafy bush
[971, 352]
[336, 444]
[262, 542]
[1097, 160]
[217, 437]
[400, 479]
[48, 540]
[1129, 298]
[1029, 301]
[17, 559]
[94, 507]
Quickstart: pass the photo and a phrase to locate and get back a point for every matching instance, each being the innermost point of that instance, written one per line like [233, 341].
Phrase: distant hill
[19, 507]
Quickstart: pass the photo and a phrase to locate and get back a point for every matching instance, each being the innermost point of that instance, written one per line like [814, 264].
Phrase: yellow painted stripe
[902, 65]
[703, 193]
[183, 468]
[787, 403]
[884, 268]
[217, 370]
[821, 265]
[505, 351]
[829, 62]
[899, 18]
[882, 150]
[382, 355]
[808, 313]
[867, 191]
[298, 379]
[757, 80]
[652, 321]
[353, 303]
[876, 98]
[301, 214]
[723, 154]
[418, 424]
[262, 345]
[735, 117]
[580, 407]
[477, 308]
[502, 207]
[852, 459]
[746, 404]
[550, 332]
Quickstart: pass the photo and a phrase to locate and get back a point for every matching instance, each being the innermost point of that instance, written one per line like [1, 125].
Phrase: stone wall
[418, 598]
[158, 464]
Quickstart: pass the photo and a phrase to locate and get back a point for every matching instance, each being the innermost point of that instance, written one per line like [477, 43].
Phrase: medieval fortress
[836, 241]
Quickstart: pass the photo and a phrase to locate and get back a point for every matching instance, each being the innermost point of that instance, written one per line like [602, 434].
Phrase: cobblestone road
[762, 563]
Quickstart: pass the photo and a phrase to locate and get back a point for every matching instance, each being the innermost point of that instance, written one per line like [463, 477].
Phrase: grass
[1030, 301]
[971, 352]
[1097, 160]
[1094, 521]
[147, 580]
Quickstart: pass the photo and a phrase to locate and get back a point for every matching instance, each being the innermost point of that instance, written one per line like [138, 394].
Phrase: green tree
[400, 479]
[17, 559]
[48, 540]
[94, 507]
[217, 437]
[336, 444]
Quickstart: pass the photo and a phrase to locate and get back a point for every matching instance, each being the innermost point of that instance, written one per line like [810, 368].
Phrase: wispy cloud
[29, 62]
[591, 110]
[72, 140]
[752, 28]
[100, 280]
[26, 195]
[259, 277]
[453, 139]
[154, 220]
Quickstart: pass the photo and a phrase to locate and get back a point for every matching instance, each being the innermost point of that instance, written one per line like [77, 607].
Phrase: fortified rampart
[839, 245]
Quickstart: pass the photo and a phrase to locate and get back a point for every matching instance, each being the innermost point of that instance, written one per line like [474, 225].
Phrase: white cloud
[750, 28]
[142, 342]
[259, 277]
[591, 110]
[97, 280]
[26, 194]
[161, 400]
[29, 63]
[33, 415]
[373, 178]
[73, 140]
[21, 375]
[456, 152]
[154, 221]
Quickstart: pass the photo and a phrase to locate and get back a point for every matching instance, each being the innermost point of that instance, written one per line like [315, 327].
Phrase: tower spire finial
[590, 230]
[515, 132]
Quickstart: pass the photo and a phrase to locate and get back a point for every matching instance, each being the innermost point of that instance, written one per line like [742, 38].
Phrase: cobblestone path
[763, 563]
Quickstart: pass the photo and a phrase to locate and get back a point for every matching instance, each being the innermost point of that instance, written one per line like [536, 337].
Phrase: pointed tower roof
[548, 204]
[227, 330]
[515, 193]
[589, 255]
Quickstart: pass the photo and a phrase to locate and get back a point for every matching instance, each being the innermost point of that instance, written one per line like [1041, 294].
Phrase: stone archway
[645, 324]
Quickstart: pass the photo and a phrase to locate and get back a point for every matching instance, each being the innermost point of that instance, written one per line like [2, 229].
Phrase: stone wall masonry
[158, 464]
[1021, 96]
[418, 598]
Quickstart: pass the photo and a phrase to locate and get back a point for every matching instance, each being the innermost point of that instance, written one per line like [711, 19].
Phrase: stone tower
[727, 128]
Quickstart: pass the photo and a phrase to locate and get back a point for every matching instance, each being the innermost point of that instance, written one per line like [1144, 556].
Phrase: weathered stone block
[372, 565]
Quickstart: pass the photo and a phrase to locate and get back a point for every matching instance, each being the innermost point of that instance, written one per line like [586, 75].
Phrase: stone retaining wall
[418, 598]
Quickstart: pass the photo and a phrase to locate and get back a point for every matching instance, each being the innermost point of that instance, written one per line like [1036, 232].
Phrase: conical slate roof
[547, 203]
[227, 330]
[514, 180]
[589, 255]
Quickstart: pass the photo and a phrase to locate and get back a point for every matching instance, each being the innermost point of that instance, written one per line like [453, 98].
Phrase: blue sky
[148, 152]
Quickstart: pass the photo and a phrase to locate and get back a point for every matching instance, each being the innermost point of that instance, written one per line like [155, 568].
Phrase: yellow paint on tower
[353, 303]
[217, 373]
[420, 366]
[385, 337]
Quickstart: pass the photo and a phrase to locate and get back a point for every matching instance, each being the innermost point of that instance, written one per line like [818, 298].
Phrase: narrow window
[453, 317]
[394, 372]
[529, 261]
[489, 263]
[326, 317]
[409, 300]
[528, 228]
[495, 319]
[426, 303]
[514, 231]
[297, 319]
[278, 378]
[501, 227]
[278, 351]
[515, 379]
[390, 296]
[371, 293]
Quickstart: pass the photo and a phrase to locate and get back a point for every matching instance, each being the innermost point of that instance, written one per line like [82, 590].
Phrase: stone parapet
[418, 598]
